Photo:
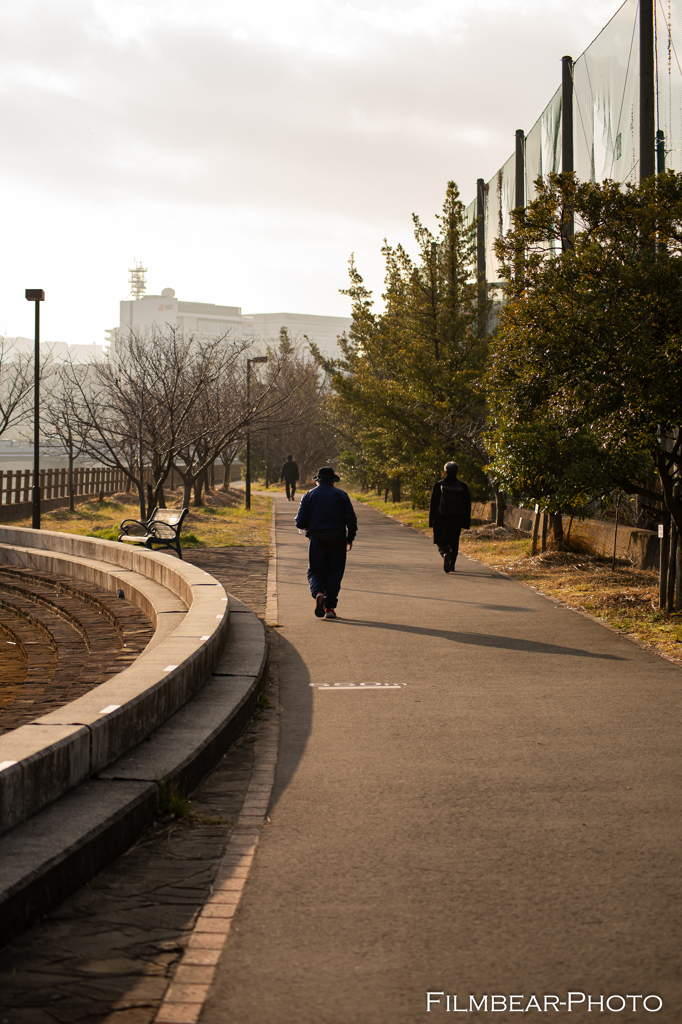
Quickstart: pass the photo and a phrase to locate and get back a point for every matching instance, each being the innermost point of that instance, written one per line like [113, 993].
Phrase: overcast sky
[243, 150]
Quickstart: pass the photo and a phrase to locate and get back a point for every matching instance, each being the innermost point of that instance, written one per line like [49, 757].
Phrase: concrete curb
[41, 761]
[64, 845]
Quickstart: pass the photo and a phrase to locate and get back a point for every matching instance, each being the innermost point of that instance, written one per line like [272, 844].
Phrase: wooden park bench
[162, 528]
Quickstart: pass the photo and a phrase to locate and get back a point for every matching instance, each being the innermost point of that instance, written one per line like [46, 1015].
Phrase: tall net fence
[605, 117]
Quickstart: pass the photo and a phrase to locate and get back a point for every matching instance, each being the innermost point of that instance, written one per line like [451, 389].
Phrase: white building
[210, 320]
[322, 330]
[57, 351]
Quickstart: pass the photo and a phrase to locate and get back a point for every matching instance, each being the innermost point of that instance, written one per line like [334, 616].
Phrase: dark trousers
[447, 537]
[325, 572]
[290, 486]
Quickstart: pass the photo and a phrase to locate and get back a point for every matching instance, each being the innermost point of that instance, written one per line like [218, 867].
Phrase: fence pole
[2, 480]
[480, 265]
[520, 192]
[660, 151]
[27, 483]
[647, 110]
[17, 487]
[567, 165]
[9, 486]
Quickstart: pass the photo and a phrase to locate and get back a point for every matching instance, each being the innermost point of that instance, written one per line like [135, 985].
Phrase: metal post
[247, 487]
[36, 295]
[254, 359]
[520, 169]
[647, 109]
[663, 552]
[660, 151]
[567, 166]
[480, 257]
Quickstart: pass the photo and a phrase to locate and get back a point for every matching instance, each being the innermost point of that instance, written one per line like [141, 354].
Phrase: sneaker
[329, 613]
[447, 562]
[319, 606]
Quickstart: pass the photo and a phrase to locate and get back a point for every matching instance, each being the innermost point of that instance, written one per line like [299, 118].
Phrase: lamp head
[35, 294]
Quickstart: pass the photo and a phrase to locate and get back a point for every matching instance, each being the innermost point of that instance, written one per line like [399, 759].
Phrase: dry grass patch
[625, 597]
[221, 522]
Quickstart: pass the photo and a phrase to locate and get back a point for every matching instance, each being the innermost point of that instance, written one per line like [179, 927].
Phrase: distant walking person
[449, 514]
[326, 514]
[290, 477]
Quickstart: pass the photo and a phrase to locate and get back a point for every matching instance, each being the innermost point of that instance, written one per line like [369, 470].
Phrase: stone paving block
[246, 650]
[193, 974]
[207, 940]
[201, 957]
[178, 1013]
[212, 925]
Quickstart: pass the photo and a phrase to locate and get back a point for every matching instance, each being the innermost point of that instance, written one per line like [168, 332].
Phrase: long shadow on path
[483, 639]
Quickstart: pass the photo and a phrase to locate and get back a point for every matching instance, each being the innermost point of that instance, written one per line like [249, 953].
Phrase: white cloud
[242, 151]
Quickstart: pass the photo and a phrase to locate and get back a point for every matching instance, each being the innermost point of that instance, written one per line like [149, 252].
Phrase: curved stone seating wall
[58, 751]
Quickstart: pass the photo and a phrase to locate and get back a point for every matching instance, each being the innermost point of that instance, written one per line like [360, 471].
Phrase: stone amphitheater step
[73, 638]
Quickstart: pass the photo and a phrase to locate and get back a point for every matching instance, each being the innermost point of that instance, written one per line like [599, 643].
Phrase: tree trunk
[395, 490]
[186, 491]
[140, 493]
[557, 527]
[226, 478]
[72, 496]
[199, 485]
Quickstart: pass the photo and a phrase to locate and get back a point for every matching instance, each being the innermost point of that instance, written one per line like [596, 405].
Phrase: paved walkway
[505, 821]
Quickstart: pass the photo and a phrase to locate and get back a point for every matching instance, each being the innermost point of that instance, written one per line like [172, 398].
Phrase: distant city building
[57, 351]
[206, 319]
[322, 330]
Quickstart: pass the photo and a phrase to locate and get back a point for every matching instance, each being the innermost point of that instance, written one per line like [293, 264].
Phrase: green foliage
[172, 800]
[586, 366]
[408, 392]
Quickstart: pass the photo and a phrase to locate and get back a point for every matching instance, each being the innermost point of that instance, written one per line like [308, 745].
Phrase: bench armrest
[125, 525]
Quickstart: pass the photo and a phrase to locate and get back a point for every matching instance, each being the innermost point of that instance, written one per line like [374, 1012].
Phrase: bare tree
[16, 384]
[222, 418]
[64, 426]
[300, 425]
[139, 407]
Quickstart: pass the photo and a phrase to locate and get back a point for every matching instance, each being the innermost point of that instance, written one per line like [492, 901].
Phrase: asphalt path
[500, 817]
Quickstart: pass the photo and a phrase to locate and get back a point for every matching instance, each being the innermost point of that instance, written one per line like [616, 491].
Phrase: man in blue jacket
[326, 514]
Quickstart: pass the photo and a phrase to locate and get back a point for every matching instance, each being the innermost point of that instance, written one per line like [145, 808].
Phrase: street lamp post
[255, 359]
[36, 295]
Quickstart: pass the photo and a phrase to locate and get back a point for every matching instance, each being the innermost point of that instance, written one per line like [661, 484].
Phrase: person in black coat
[290, 477]
[326, 516]
[449, 514]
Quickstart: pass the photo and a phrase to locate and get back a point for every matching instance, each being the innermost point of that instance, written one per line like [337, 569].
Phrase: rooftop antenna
[137, 280]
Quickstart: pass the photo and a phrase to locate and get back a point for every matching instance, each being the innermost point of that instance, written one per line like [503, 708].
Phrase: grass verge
[221, 522]
[625, 597]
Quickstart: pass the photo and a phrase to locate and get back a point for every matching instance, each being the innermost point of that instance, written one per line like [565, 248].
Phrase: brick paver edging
[188, 990]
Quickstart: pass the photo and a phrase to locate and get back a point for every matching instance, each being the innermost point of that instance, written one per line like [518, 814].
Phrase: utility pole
[647, 108]
[567, 135]
[480, 257]
[255, 359]
[36, 295]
